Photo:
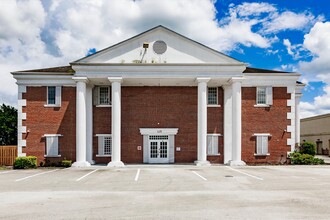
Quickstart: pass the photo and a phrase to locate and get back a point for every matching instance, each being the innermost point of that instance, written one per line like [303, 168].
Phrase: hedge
[25, 162]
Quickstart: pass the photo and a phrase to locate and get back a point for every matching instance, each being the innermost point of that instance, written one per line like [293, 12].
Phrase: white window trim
[98, 97]
[215, 135]
[102, 135]
[269, 97]
[213, 105]
[58, 97]
[262, 135]
[52, 135]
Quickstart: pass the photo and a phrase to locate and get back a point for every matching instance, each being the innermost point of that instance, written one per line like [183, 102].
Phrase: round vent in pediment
[159, 47]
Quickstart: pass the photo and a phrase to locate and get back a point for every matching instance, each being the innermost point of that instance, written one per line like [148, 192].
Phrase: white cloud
[318, 69]
[289, 20]
[36, 34]
[254, 8]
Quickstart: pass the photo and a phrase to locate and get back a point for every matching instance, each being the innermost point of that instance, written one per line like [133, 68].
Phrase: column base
[202, 163]
[92, 162]
[116, 164]
[81, 164]
[236, 163]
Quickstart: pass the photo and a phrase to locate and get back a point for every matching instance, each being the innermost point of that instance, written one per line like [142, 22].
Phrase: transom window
[212, 96]
[213, 144]
[104, 145]
[158, 137]
[264, 95]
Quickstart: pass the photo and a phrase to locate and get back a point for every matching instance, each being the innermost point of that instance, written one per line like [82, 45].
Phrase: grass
[3, 168]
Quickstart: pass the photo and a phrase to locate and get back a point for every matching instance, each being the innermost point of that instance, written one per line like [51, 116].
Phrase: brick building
[158, 97]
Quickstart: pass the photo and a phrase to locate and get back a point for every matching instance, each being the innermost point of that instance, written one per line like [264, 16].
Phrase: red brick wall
[42, 120]
[165, 107]
[152, 107]
[271, 120]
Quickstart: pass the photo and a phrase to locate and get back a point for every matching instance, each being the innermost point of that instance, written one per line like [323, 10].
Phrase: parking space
[167, 192]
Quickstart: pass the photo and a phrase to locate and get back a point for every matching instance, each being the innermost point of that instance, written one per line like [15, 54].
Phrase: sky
[276, 34]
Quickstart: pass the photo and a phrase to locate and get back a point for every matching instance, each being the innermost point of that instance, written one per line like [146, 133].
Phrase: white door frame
[147, 132]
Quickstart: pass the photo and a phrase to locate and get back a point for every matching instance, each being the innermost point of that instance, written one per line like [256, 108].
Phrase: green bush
[66, 163]
[298, 158]
[25, 162]
[308, 148]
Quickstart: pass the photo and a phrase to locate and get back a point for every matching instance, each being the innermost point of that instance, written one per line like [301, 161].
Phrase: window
[53, 96]
[264, 95]
[212, 144]
[212, 96]
[102, 96]
[52, 145]
[262, 144]
[104, 145]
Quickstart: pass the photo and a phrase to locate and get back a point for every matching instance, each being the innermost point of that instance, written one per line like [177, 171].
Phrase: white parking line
[7, 171]
[199, 175]
[256, 177]
[38, 174]
[86, 175]
[137, 175]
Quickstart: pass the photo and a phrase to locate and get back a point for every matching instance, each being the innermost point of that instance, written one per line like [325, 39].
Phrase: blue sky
[285, 35]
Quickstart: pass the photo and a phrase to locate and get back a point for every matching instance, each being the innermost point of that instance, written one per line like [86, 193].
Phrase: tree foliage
[8, 125]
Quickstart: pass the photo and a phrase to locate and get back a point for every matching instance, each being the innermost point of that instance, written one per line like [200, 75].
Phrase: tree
[8, 125]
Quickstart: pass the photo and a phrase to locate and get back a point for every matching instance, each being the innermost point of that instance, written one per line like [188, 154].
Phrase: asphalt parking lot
[167, 192]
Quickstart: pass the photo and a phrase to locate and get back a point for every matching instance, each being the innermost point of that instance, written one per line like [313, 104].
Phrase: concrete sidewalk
[324, 157]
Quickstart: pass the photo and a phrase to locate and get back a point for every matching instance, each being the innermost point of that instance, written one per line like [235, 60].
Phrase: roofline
[316, 117]
[154, 28]
[156, 64]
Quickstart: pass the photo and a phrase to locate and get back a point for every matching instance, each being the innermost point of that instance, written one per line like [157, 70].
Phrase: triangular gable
[178, 49]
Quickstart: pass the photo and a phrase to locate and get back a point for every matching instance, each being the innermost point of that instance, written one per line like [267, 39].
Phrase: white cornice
[158, 69]
[282, 79]
[44, 80]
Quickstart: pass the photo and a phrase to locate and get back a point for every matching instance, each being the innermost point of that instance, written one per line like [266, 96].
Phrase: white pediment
[178, 49]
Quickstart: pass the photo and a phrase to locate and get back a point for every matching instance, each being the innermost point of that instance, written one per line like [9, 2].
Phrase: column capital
[115, 79]
[80, 79]
[202, 79]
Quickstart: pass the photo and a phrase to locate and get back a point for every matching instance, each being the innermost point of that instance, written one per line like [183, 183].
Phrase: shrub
[308, 148]
[66, 163]
[25, 162]
[298, 158]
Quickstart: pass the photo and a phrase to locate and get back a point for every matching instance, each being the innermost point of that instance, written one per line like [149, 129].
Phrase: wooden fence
[7, 155]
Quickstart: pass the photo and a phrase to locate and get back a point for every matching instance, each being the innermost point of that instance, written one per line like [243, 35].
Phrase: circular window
[159, 47]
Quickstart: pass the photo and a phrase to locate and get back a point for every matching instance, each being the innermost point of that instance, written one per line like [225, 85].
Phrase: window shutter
[58, 96]
[264, 144]
[269, 95]
[49, 143]
[100, 145]
[215, 145]
[55, 146]
[96, 95]
[259, 144]
[209, 144]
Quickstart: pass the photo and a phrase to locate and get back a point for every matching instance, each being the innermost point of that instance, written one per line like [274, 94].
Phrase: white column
[81, 122]
[228, 124]
[89, 120]
[202, 123]
[297, 118]
[237, 123]
[116, 121]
